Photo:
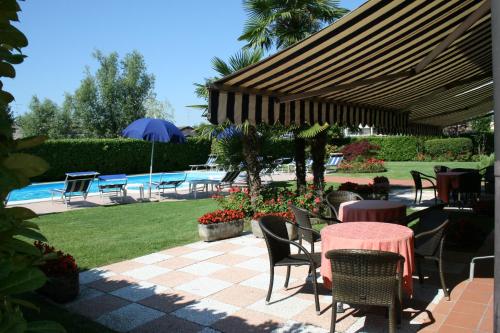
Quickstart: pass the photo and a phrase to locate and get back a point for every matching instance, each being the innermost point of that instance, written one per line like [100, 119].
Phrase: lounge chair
[334, 161]
[210, 164]
[116, 184]
[227, 181]
[76, 184]
[163, 185]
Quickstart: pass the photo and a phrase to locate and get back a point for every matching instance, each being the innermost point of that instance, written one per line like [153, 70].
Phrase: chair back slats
[302, 218]
[274, 227]
[430, 231]
[364, 276]
[335, 198]
[78, 185]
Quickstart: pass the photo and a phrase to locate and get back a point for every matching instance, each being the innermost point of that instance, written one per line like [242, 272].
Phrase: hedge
[449, 149]
[109, 156]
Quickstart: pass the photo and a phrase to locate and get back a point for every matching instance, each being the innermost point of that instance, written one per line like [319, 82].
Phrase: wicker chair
[430, 234]
[278, 247]
[366, 277]
[417, 179]
[418, 214]
[302, 217]
[335, 198]
[441, 168]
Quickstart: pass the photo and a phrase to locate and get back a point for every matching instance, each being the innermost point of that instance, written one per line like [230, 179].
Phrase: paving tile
[139, 291]
[467, 307]
[239, 295]
[169, 301]
[261, 281]
[94, 275]
[205, 311]
[129, 317]
[95, 307]
[146, 272]
[203, 286]
[256, 264]
[202, 255]
[168, 323]
[246, 320]
[234, 274]
[209, 330]
[84, 294]
[176, 263]
[123, 266]
[464, 320]
[443, 307]
[228, 259]
[112, 283]
[476, 296]
[281, 306]
[309, 316]
[298, 327]
[203, 268]
[201, 245]
[225, 247]
[486, 324]
[245, 241]
[454, 329]
[152, 258]
[250, 251]
[172, 278]
[177, 251]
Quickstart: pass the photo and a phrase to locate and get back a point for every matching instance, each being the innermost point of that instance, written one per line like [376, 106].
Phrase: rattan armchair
[441, 168]
[335, 198]
[366, 277]
[430, 234]
[417, 179]
[306, 232]
[278, 247]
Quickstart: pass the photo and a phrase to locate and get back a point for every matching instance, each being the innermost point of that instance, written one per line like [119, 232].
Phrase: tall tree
[40, 118]
[281, 23]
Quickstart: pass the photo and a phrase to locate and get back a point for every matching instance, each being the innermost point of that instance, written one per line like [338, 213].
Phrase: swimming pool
[42, 191]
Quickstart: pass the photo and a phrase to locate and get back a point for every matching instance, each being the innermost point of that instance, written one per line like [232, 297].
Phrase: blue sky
[177, 39]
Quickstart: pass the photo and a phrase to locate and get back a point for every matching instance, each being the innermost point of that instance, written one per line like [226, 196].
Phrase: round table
[368, 236]
[371, 210]
[457, 180]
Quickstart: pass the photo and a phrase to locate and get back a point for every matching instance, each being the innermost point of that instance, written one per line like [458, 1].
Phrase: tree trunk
[318, 149]
[250, 153]
[300, 164]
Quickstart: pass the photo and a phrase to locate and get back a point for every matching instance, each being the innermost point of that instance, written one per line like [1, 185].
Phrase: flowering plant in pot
[275, 207]
[63, 283]
[237, 199]
[220, 224]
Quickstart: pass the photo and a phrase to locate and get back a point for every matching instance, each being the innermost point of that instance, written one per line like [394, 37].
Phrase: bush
[397, 148]
[360, 150]
[450, 149]
[362, 166]
[109, 156]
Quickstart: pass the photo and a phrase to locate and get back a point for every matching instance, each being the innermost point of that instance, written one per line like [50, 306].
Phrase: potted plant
[291, 228]
[63, 284]
[220, 224]
[381, 188]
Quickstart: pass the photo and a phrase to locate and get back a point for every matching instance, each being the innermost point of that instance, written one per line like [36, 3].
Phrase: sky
[177, 39]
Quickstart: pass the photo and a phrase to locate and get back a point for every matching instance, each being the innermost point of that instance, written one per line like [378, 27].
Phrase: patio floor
[220, 287]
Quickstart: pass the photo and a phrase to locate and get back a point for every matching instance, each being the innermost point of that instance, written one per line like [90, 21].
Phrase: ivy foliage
[19, 258]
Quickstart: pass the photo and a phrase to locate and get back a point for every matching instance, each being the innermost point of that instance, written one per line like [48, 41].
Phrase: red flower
[62, 265]
[221, 216]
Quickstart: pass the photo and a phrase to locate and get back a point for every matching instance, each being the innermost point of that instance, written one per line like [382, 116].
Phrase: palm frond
[313, 131]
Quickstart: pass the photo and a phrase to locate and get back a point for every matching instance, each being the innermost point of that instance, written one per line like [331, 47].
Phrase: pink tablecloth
[368, 236]
[371, 210]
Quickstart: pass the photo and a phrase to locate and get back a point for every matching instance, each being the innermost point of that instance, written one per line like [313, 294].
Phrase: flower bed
[220, 224]
[62, 274]
[359, 157]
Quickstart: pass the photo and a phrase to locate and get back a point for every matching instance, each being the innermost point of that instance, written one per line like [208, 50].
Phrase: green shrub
[109, 156]
[450, 149]
[397, 148]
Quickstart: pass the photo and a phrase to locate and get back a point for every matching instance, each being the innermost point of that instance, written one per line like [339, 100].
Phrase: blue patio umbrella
[153, 130]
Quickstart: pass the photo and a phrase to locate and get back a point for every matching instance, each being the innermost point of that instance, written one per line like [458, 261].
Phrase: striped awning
[401, 66]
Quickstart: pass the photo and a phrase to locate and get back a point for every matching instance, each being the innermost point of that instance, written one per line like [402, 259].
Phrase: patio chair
[116, 184]
[430, 234]
[163, 185]
[334, 161]
[227, 181]
[335, 198]
[367, 277]
[415, 216]
[441, 168]
[76, 184]
[489, 179]
[281, 163]
[306, 232]
[209, 164]
[278, 247]
[417, 179]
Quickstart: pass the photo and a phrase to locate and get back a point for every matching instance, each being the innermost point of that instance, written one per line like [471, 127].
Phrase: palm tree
[249, 140]
[281, 23]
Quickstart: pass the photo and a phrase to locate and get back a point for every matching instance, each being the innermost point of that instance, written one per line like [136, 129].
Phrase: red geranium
[288, 215]
[221, 216]
[63, 264]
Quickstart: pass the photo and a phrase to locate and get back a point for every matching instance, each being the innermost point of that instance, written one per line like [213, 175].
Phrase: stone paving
[220, 287]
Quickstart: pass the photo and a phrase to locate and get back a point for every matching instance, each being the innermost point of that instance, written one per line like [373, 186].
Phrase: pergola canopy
[401, 66]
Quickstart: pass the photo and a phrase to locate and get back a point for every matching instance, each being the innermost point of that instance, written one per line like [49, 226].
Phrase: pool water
[42, 191]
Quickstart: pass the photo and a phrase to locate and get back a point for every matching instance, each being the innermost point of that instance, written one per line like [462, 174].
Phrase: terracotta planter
[257, 231]
[216, 231]
[61, 289]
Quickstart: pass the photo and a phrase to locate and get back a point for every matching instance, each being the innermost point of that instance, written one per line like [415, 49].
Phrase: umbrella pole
[151, 168]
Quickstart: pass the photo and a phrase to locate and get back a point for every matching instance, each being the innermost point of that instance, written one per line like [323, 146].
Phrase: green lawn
[401, 170]
[103, 235]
